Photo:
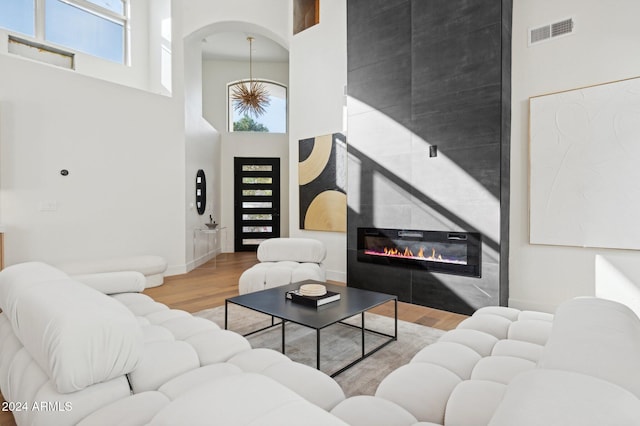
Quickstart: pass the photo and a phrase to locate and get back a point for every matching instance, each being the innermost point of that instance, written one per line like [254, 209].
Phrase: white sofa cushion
[325, 392]
[274, 274]
[473, 402]
[597, 337]
[518, 348]
[134, 410]
[563, 398]
[225, 401]
[421, 388]
[455, 357]
[152, 267]
[114, 282]
[294, 249]
[479, 341]
[500, 369]
[366, 410]
[76, 334]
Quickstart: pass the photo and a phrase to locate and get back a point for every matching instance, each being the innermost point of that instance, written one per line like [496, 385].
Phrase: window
[94, 27]
[274, 120]
[306, 13]
[18, 15]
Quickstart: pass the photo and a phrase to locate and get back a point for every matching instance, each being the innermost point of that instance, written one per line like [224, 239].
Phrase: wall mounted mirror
[201, 191]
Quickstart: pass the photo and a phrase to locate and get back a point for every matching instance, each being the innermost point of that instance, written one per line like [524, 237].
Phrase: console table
[212, 242]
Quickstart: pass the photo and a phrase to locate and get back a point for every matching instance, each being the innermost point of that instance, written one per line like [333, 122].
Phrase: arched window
[274, 120]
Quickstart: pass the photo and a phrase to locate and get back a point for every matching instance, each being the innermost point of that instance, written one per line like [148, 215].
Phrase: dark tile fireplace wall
[441, 70]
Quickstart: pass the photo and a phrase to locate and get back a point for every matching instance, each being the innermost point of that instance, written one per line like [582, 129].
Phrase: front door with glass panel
[257, 201]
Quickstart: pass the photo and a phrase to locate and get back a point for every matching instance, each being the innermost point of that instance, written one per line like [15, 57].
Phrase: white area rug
[340, 344]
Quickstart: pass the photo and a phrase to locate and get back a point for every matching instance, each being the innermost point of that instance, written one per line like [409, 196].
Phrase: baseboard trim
[530, 305]
[178, 269]
[339, 276]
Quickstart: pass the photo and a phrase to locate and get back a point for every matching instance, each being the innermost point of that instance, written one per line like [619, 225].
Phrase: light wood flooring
[209, 285]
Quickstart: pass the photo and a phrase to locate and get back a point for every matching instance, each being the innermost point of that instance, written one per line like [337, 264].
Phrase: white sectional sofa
[71, 354]
[505, 367]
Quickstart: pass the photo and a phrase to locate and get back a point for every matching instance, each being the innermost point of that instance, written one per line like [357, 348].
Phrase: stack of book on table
[313, 295]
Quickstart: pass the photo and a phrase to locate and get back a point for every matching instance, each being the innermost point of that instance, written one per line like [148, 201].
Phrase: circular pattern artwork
[322, 180]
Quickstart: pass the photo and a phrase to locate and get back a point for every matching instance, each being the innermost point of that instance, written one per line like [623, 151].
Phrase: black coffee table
[353, 301]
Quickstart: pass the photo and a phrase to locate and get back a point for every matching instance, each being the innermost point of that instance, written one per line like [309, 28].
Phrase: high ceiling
[233, 46]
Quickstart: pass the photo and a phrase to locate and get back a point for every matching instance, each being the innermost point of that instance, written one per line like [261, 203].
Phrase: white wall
[122, 148]
[202, 151]
[318, 77]
[601, 50]
[265, 17]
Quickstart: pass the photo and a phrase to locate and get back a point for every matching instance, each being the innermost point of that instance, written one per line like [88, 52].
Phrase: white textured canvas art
[585, 166]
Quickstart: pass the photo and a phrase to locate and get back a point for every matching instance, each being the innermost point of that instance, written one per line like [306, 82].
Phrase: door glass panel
[257, 192]
[257, 217]
[256, 205]
[257, 168]
[252, 241]
[257, 228]
[257, 180]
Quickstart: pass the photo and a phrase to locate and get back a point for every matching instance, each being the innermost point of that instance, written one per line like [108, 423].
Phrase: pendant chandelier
[252, 97]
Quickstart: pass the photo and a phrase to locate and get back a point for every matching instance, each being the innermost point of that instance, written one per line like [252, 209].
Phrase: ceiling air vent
[551, 31]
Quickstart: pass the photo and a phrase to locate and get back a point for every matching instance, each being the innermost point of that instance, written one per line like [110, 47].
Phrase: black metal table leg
[283, 336]
[318, 349]
[226, 310]
[362, 333]
[395, 332]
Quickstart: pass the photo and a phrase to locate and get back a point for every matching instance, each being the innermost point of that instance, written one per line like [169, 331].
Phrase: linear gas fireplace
[456, 253]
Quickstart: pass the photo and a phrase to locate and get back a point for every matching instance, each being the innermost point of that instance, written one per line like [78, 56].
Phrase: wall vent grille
[539, 34]
[551, 31]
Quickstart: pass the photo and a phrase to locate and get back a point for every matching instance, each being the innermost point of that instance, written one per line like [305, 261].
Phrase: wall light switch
[433, 151]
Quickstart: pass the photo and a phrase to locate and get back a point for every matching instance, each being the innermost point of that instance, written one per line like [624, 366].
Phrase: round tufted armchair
[284, 261]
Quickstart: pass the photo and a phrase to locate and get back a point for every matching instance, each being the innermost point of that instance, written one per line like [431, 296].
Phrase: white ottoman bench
[152, 267]
[284, 261]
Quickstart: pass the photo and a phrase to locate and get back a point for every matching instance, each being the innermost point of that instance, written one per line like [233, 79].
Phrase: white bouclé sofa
[152, 267]
[505, 367]
[72, 354]
[284, 261]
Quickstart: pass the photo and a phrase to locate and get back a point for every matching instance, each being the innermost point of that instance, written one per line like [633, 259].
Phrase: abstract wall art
[322, 177]
[584, 174]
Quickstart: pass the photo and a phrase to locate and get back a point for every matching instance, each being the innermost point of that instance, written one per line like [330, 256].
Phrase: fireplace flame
[437, 252]
[394, 251]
